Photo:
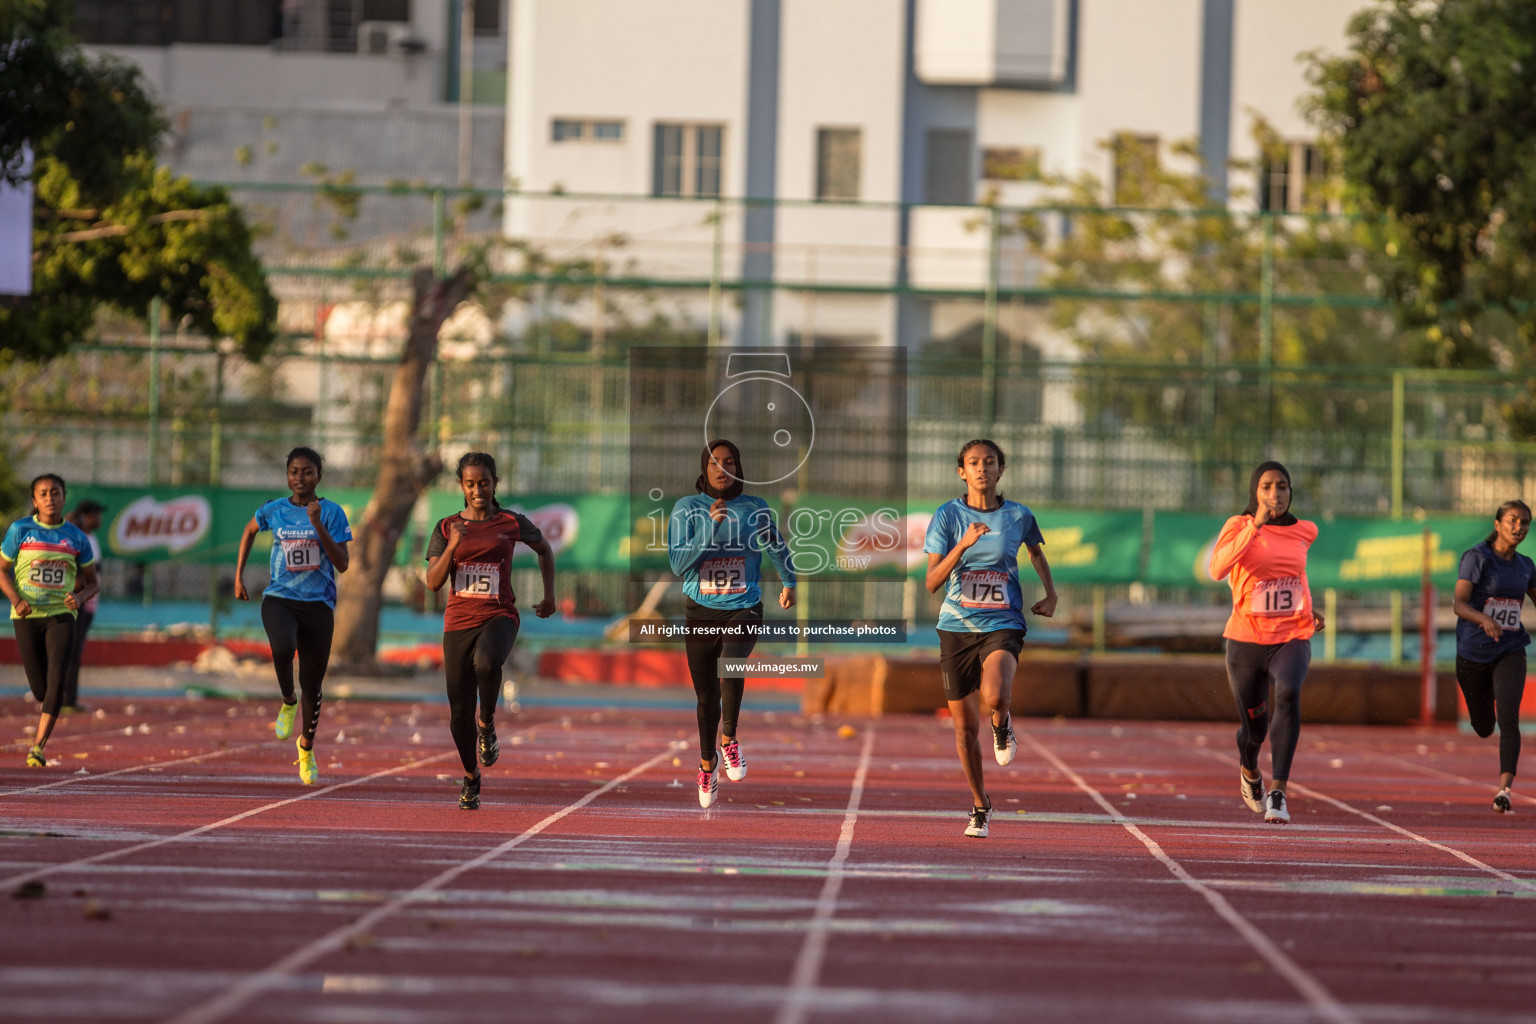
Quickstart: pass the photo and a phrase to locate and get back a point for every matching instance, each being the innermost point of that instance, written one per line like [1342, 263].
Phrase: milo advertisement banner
[1349, 554]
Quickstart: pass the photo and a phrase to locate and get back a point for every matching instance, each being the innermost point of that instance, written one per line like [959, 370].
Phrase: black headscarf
[1285, 519]
[702, 483]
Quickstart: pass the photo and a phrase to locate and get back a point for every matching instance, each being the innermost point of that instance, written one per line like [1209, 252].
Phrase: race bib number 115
[480, 581]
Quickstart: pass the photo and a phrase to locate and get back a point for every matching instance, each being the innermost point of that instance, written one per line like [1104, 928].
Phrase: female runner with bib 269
[715, 542]
[474, 549]
[1491, 586]
[1262, 554]
[309, 547]
[973, 548]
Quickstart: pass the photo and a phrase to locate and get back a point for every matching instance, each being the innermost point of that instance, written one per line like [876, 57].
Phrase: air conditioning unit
[384, 37]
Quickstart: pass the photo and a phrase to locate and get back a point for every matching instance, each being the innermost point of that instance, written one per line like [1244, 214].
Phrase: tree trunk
[404, 473]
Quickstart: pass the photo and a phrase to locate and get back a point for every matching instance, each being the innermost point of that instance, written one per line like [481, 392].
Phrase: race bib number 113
[1283, 596]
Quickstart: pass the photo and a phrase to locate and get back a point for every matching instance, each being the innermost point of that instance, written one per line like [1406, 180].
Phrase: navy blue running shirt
[983, 593]
[1498, 591]
[300, 569]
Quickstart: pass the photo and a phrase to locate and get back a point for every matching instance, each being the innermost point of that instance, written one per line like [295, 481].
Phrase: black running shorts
[961, 656]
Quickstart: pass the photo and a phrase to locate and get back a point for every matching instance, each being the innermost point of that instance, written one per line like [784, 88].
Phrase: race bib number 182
[722, 576]
[983, 588]
[1503, 610]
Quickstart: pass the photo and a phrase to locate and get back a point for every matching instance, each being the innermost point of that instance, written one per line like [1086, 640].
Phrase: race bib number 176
[983, 588]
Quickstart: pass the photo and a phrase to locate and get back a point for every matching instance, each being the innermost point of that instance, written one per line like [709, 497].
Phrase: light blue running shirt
[983, 593]
[721, 563]
[300, 569]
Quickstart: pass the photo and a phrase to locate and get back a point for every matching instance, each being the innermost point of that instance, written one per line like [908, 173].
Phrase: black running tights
[46, 645]
[1251, 669]
[303, 628]
[472, 660]
[719, 700]
[1493, 691]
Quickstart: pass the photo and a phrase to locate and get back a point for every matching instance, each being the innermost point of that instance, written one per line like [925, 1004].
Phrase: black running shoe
[1501, 801]
[490, 750]
[977, 829]
[469, 794]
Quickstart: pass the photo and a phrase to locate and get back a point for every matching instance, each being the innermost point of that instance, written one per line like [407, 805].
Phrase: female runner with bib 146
[715, 542]
[1262, 554]
[1491, 586]
[309, 547]
[973, 548]
[47, 571]
[474, 548]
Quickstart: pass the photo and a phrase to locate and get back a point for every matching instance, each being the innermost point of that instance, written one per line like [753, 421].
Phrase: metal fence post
[1267, 320]
[716, 259]
[439, 234]
[154, 386]
[989, 328]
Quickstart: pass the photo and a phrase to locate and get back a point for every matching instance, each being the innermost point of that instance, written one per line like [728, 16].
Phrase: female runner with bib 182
[715, 541]
[309, 547]
[1491, 586]
[1262, 554]
[47, 571]
[474, 549]
[973, 548]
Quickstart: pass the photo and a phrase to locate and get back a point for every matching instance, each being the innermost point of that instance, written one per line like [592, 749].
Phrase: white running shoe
[1501, 802]
[1274, 808]
[977, 829]
[1252, 792]
[735, 761]
[1004, 743]
[709, 783]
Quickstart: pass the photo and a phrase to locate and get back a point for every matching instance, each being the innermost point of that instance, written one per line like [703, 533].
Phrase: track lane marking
[1309, 988]
[136, 768]
[1341, 805]
[807, 972]
[231, 1000]
[1427, 770]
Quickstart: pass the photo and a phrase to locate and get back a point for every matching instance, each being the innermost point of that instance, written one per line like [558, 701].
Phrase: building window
[947, 167]
[688, 160]
[837, 163]
[1292, 178]
[566, 129]
[1010, 163]
[386, 10]
[1135, 169]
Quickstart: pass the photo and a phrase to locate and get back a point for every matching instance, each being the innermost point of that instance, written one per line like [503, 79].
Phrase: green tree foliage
[111, 228]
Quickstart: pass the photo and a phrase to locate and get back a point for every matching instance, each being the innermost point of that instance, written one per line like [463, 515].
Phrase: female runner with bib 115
[1491, 586]
[715, 542]
[309, 547]
[474, 548]
[1262, 554]
[973, 548]
[47, 571]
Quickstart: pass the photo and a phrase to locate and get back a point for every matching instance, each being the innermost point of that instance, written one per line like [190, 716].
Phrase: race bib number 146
[1504, 611]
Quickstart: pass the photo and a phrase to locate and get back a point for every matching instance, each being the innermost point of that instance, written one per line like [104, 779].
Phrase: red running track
[188, 877]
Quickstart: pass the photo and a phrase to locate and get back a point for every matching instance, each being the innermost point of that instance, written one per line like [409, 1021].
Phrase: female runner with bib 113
[47, 571]
[715, 542]
[1491, 586]
[973, 548]
[474, 549]
[1262, 554]
[309, 547]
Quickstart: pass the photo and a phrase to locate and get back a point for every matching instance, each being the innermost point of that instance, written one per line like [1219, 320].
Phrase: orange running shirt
[1267, 570]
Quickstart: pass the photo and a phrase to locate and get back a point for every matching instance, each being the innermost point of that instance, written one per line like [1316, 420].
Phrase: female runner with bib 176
[1262, 554]
[474, 549]
[715, 542]
[47, 571]
[309, 547]
[1491, 586]
[973, 548]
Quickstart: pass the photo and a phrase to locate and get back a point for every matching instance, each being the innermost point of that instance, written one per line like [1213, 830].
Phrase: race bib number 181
[301, 555]
[983, 588]
[1503, 610]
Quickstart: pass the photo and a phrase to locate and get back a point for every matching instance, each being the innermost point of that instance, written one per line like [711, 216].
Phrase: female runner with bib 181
[715, 541]
[47, 571]
[1491, 586]
[309, 547]
[474, 548]
[1262, 554]
[973, 548]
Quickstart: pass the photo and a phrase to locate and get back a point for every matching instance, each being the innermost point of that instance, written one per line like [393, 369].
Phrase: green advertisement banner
[1349, 554]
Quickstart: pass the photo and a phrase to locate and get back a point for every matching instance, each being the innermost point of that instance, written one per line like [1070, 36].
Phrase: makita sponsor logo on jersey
[148, 523]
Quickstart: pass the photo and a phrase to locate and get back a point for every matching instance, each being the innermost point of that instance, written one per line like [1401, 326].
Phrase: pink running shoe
[709, 783]
[735, 762]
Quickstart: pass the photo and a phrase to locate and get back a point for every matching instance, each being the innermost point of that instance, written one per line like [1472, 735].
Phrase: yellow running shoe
[36, 758]
[284, 725]
[308, 770]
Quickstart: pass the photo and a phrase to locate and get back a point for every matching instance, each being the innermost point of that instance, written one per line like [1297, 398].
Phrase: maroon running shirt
[480, 579]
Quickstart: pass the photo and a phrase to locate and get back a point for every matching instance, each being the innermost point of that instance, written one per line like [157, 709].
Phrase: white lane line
[807, 972]
[231, 1000]
[136, 768]
[1464, 857]
[1427, 770]
[1341, 805]
[1310, 989]
[200, 830]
